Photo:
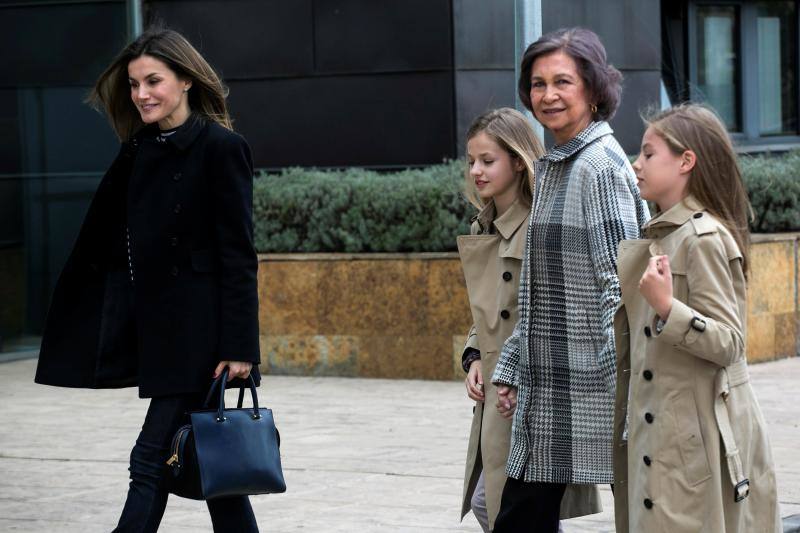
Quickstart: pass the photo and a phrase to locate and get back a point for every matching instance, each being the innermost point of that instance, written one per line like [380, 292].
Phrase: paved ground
[359, 455]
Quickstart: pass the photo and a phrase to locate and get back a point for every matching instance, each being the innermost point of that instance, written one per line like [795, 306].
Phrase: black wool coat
[187, 205]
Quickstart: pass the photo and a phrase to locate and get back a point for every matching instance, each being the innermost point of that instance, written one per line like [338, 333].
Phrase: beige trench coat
[687, 389]
[492, 259]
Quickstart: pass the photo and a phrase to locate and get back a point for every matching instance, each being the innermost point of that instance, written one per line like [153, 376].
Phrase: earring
[593, 109]
[186, 90]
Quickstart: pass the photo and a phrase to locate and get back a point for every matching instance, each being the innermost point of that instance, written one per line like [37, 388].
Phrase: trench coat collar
[591, 133]
[507, 223]
[677, 215]
[512, 219]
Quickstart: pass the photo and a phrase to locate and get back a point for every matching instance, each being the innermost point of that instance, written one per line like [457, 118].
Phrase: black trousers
[529, 507]
[147, 492]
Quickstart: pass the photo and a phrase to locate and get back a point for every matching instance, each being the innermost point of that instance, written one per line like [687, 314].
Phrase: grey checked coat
[561, 355]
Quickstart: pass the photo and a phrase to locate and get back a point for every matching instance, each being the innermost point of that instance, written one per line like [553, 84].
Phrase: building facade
[331, 83]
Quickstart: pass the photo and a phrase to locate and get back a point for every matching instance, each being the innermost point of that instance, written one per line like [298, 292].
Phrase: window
[777, 72]
[717, 80]
[739, 56]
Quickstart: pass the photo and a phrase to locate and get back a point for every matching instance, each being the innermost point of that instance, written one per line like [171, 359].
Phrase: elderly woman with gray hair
[556, 373]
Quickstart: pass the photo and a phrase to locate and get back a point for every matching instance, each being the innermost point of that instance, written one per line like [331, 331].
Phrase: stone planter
[406, 315]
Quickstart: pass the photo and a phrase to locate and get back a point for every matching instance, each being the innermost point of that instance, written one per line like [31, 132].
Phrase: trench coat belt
[726, 378]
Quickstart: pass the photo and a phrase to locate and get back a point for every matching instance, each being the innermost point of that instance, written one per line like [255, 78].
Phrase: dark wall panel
[630, 29]
[640, 91]
[478, 91]
[390, 119]
[244, 38]
[59, 44]
[389, 35]
[484, 34]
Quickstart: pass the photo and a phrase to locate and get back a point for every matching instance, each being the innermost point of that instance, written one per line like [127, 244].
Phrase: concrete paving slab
[358, 454]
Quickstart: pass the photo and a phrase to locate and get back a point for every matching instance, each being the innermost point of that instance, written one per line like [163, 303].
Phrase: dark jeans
[147, 493]
[529, 507]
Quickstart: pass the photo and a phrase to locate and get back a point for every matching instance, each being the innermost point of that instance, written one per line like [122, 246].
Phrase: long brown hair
[112, 93]
[513, 133]
[716, 180]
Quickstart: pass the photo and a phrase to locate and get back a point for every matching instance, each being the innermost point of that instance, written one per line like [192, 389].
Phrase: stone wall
[406, 315]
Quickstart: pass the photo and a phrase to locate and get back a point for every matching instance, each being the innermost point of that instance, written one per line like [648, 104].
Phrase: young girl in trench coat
[501, 148]
[692, 453]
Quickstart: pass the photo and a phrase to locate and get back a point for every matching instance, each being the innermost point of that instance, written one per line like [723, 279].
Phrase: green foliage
[773, 184]
[424, 210]
[357, 210]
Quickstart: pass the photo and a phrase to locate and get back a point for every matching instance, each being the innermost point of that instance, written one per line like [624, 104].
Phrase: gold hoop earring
[593, 109]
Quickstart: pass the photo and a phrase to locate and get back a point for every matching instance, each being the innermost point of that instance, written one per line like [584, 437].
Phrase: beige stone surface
[772, 314]
[365, 455]
[398, 315]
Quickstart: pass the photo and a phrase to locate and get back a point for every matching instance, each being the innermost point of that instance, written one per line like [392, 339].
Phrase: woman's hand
[236, 369]
[474, 381]
[506, 400]
[656, 285]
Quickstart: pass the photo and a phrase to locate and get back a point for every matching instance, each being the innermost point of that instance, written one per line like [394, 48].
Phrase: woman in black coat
[160, 290]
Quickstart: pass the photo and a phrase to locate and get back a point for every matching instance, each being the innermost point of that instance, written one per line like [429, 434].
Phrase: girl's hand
[656, 285]
[506, 400]
[236, 369]
[474, 381]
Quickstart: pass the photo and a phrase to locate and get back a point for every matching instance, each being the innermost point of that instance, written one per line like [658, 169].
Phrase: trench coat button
[649, 418]
[507, 276]
[177, 209]
[176, 176]
[648, 503]
[174, 271]
[648, 375]
[647, 331]
[505, 314]
[647, 460]
[698, 215]
[173, 241]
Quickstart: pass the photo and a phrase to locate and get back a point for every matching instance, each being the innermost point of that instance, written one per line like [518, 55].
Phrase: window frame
[749, 138]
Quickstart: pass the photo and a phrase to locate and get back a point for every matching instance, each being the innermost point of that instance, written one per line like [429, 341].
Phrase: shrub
[423, 210]
[773, 184]
[357, 210]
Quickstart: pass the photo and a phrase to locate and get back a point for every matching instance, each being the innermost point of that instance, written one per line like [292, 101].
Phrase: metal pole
[527, 28]
[134, 12]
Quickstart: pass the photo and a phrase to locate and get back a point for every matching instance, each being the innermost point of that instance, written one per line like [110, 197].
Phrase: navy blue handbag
[226, 452]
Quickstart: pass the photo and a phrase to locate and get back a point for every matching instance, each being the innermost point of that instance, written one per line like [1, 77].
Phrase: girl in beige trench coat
[501, 147]
[691, 450]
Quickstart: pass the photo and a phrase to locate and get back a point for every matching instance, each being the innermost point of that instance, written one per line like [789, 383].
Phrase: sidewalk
[358, 455]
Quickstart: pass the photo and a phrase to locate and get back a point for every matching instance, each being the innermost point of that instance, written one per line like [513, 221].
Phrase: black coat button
[647, 460]
[174, 271]
[647, 331]
[177, 176]
[178, 208]
[507, 276]
[649, 418]
[505, 314]
[698, 215]
[648, 503]
[648, 375]
[173, 241]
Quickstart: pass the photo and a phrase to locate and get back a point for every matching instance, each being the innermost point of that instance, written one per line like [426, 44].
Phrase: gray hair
[603, 81]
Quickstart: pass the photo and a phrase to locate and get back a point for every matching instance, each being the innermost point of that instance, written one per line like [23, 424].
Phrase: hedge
[357, 210]
[773, 184]
[423, 210]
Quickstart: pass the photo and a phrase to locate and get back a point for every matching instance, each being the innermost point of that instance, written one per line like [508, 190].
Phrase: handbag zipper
[176, 441]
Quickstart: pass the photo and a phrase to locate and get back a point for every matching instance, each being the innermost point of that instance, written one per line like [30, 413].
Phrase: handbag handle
[220, 382]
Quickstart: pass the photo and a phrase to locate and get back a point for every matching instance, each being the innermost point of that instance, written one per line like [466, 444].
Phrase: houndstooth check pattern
[561, 354]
